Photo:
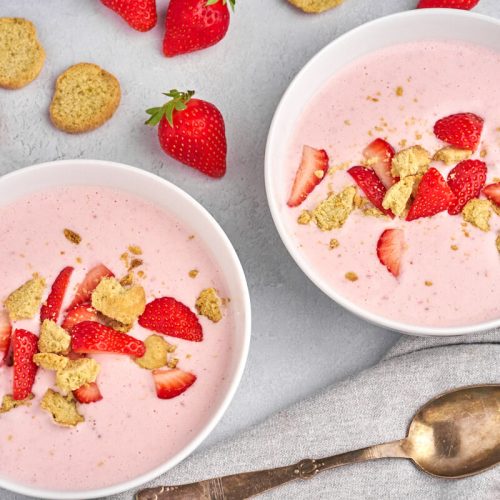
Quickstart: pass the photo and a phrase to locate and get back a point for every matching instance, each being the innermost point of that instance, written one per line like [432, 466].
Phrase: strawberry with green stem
[195, 24]
[191, 131]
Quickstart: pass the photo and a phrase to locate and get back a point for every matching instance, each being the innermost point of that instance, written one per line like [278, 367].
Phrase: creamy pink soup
[130, 431]
[360, 103]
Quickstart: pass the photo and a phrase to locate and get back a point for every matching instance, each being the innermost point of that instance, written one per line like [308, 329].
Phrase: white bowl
[188, 211]
[410, 26]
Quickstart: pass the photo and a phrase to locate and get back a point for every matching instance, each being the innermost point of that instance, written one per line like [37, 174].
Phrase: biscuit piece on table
[21, 55]
[85, 97]
[315, 6]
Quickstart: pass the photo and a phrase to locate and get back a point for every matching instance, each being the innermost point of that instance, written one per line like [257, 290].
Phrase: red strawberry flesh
[170, 317]
[447, 4]
[139, 14]
[371, 185]
[24, 347]
[88, 393]
[492, 192]
[378, 155]
[79, 314]
[5, 336]
[90, 337]
[433, 196]
[171, 383]
[89, 284]
[390, 247]
[52, 307]
[462, 130]
[312, 170]
[466, 181]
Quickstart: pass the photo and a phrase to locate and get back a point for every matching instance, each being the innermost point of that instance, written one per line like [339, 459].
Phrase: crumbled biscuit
[62, 408]
[398, 195]
[334, 211]
[454, 247]
[208, 304]
[334, 243]
[304, 218]
[451, 156]
[127, 280]
[373, 212]
[315, 6]
[157, 349]
[124, 257]
[9, 403]
[73, 237]
[24, 302]
[118, 303]
[428, 283]
[483, 153]
[193, 273]
[351, 276]
[116, 325]
[478, 213]
[173, 362]
[135, 250]
[135, 263]
[141, 274]
[53, 338]
[77, 373]
[410, 161]
[497, 242]
[399, 91]
[50, 361]
[319, 174]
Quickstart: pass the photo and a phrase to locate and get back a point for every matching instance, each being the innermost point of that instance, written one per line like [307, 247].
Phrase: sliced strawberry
[170, 383]
[90, 337]
[466, 181]
[52, 307]
[170, 317]
[462, 130]
[89, 284]
[390, 249]
[378, 155]
[372, 186]
[88, 393]
[447, 4]
[5, 335]
[433, 196]
[311, 172]
[24, 347]
[492, 192]
[83, 312]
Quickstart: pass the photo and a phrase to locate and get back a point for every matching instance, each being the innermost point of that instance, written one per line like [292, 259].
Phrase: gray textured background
[301, 340]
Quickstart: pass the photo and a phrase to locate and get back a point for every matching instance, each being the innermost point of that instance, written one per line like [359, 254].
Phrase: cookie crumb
[334, 211]
[172, 362]
[454, 247]
[72, 236]
[304, 218]
[127, 280]
[24, 302]
[9, 403]
[334, 243]
[450, 155]
[497, 243]
[53, 338]
[76, 373]
[116, 302]
[351, 276]
[50, 361]
[399, 91]
[135, 263]
[135, 249]
[319, 174]
[428, 283]
[410, 161]
[124, 257]
[208, 305]
[63, 409]
[478, 213]
[157, 350]
[193, 273]
[483, 153]
[397, 196]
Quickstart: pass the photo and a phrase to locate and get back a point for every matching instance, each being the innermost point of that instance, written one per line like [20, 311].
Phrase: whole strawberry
[447, 4]
[195, 24]
[191, 131]
[139, 14]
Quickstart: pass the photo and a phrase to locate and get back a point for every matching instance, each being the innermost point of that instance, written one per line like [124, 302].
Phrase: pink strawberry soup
[130, 431]
[449, 269]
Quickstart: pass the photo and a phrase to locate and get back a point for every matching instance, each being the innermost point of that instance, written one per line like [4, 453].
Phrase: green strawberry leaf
[178, 102]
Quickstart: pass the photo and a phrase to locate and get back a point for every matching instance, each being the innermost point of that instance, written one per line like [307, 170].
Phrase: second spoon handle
[248, 484]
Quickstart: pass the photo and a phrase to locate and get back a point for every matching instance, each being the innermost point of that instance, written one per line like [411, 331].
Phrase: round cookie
[21, 55]
[315, 6]
[86, 96]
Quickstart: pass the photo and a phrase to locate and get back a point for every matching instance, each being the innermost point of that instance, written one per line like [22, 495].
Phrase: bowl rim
[209, 426]
[302, 261]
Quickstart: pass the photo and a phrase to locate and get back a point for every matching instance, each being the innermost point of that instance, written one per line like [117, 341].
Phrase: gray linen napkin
[372, 407]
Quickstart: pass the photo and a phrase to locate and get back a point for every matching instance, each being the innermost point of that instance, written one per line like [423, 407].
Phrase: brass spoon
[454, 435]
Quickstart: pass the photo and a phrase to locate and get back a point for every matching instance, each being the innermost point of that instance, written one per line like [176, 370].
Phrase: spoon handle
[248, 484]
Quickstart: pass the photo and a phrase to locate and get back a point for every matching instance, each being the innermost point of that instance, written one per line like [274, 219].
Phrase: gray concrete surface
[302, 341]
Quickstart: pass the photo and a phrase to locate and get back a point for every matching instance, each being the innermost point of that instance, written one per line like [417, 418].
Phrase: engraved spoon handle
[248, 484]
